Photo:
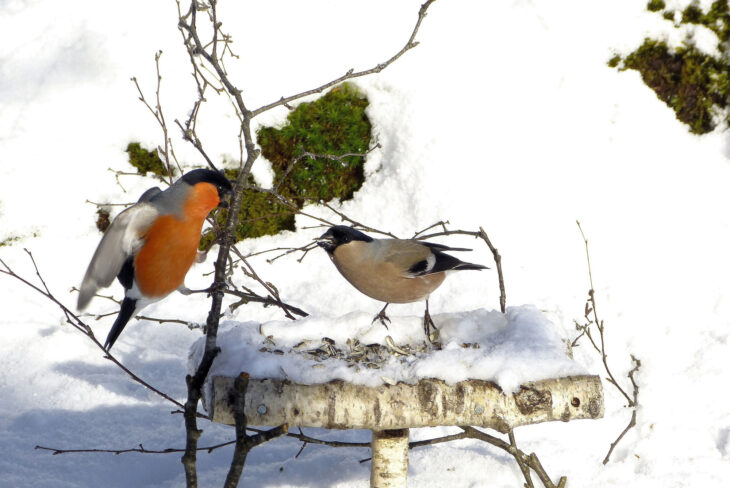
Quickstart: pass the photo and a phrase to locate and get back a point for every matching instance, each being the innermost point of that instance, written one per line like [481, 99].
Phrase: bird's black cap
[340, 234]
[208, 176]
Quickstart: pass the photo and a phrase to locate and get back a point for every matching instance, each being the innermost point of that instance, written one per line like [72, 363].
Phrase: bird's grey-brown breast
[382, 273]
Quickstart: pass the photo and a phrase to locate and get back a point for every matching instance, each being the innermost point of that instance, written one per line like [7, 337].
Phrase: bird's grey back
[170, 201]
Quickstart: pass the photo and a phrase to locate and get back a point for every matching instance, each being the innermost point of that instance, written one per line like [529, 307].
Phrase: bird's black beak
[224, 195]
[326, 241]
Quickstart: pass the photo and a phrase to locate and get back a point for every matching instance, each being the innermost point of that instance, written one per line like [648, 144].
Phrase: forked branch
[206, 57]
[592, 319]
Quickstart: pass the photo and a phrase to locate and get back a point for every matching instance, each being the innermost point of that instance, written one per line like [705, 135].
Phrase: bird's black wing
[435, 263]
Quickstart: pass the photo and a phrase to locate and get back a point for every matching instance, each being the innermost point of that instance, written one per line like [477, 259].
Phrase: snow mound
[509, 349]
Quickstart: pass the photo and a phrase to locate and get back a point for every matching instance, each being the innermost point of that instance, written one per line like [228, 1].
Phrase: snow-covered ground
[505, 116]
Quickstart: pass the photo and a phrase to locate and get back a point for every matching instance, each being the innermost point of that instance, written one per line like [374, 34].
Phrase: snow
[505, 116]
[513, 349]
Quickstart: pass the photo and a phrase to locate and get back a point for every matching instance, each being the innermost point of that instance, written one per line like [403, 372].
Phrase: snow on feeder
[493, 370]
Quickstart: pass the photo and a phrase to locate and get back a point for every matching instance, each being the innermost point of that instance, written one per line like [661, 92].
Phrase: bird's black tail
[463, 266]
[126, 312]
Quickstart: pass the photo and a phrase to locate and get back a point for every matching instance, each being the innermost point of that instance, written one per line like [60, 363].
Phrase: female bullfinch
[391, 270]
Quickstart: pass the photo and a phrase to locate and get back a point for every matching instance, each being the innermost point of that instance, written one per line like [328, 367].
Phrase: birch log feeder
[390, 410]
[495, 370]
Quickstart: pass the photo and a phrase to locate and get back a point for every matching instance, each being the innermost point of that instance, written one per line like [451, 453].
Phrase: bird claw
[185, 290]
[382, 318]
[428, 324]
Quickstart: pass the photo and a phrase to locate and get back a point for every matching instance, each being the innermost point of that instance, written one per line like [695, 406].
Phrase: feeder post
[389, 465]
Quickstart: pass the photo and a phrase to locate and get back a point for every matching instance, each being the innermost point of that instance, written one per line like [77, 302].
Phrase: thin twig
[410, 44]
[340, 158]
[632, 421]
[267, 301]
[273, 292]
[531, 461]
[159, 116]
[141, 449]
[211, 58]
[242, 447]
[429, 442]
[186, 323]
[76, 322]
[481, 234]
[523, 466]
[591, 316]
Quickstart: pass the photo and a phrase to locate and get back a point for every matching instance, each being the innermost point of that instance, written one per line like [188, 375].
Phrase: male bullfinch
[150, 246]
[391, 270]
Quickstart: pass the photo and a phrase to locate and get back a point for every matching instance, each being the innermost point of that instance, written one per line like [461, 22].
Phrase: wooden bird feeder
[390, 410]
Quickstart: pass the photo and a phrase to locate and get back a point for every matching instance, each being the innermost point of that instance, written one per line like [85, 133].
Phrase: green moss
[146, 161]
[690, 82]
[692, 14]
[668, 15]
[9, 241]
[261, 214]
[717, 18]
[655, 5]
[694, 84]
[334, 124]
[614, 61]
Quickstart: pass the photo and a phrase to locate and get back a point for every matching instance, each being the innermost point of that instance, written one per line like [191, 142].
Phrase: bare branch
[141, 450]
[159, 116]
[205, 56]
[522, 459]
[591, 317]
[429, 442]
[482, 235]
[523, 466]
[273, 293]
[632, 421]
[195, 384]
[81, 326]
[244, 442]
[305, 439]
[355, 223]
[410, 44]
[306, 154]
[267, 301]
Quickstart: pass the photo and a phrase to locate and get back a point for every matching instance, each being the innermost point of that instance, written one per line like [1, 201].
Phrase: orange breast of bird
[171, 244]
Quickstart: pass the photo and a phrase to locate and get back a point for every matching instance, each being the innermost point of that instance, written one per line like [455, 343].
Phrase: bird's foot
[433, 337]
[185, 290]
[382, 317]
[201, 256]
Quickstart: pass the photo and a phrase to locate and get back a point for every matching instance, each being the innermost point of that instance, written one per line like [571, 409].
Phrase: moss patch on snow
[335, 124]
[694, 84]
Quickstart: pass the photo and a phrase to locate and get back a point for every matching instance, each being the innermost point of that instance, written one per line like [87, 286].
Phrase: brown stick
[241, 450]
[531, 461]
[76, 322]
[410, 44]
[590, 309]
[481, 234]
[188, 27]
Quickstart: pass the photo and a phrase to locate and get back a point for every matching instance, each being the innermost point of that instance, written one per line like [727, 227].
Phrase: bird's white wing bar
[122, 239]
